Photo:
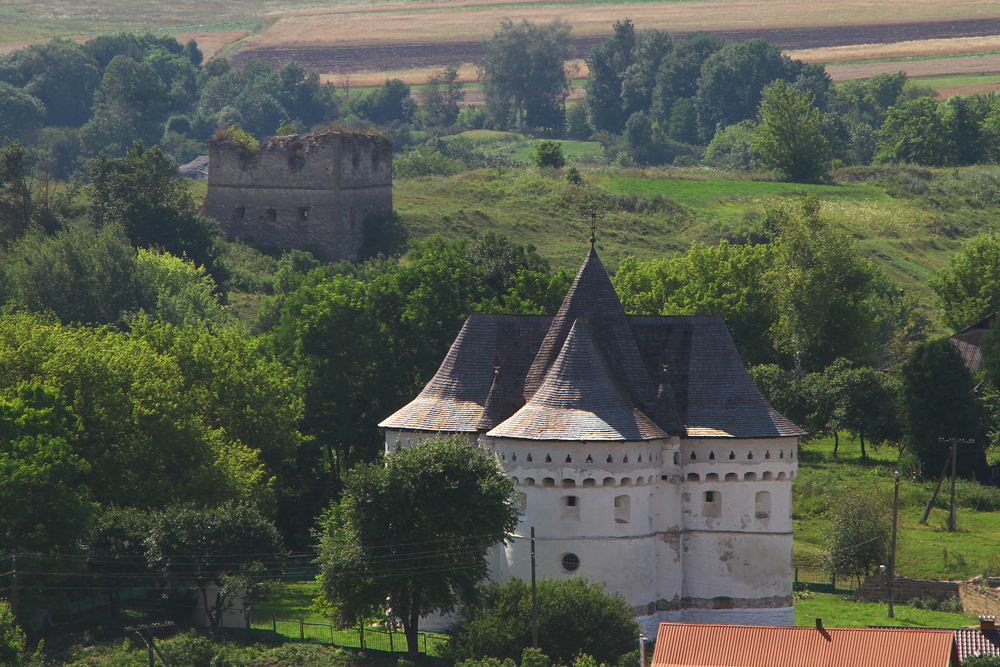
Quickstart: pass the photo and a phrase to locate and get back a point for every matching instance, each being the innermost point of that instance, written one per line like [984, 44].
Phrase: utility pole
[13, 595]
[930, 503]
[145, 634]
[955, 442]
[892, 552]
[534, 600]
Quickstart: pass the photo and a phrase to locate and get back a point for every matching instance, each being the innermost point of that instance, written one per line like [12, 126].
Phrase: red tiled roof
[688, 644]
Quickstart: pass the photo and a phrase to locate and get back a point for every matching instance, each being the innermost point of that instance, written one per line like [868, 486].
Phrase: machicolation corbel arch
[310, 191]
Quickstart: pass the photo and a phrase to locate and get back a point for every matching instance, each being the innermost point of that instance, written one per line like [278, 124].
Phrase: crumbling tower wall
[311, 192]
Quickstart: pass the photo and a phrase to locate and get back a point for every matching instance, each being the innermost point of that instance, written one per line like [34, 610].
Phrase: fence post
[425, 643]
[391, 649]
[361, 633]
[796, 575]
[302, 629]
[331, 633]
[274, 624]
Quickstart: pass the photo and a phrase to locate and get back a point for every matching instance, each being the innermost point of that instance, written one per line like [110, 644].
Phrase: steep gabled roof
[593, 298]
[606, 376]
[687, 644]
[488, 349]
[969, 341]
[714, 395]
[579, 399]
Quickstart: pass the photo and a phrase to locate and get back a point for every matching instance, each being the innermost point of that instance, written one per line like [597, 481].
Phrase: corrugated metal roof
[971, 642]
[685, 644]
[969, 342]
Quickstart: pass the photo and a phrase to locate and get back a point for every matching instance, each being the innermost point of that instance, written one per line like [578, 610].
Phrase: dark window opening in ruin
[722, 603]
[296, 161]
[239, 213]
[694, 457]
[610, 460]
[375, 158]
[767, 454]
[750, 455]
[711, 456]
[529, 457]
[548, 458]
[640, 458]
[302, 213]
[270, 215]
[732, 455]
[677, 458]
[355, 156]
[570, 509]
[571, 562]
[513, 456]
[568, 459]
[625, 459]
[781, 454]
[590, 459]
[713, 504]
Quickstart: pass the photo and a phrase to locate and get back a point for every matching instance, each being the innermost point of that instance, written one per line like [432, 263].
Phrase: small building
[196, 169]
[971, 642]
[643, 454]
[306, 191]
[687, 645]
[969, 342]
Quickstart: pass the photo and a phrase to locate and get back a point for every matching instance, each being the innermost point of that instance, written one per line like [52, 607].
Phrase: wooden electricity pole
[892, 552]
[145, 634]
[13, 595]
[534, 601]
[955, 442]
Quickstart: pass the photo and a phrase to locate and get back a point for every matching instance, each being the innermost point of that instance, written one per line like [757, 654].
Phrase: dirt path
[389, 55]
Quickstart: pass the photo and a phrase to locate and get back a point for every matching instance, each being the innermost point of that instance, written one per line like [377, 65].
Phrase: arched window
[589, 483]
[548, 481]
[732, 477]
[608, 481]
[712, 477]
[570, 509]
[569, 483]
[693, 477]
[713, 504]
[763, 505]
[750, 477]
[623, 509]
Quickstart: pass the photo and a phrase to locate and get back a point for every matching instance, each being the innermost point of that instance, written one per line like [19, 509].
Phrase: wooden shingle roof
[593, 373]
[579, 399]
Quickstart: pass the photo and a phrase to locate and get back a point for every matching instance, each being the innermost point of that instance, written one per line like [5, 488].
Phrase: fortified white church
[646, 456]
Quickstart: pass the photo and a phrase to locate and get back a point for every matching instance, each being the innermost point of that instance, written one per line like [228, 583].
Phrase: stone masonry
[311, 192]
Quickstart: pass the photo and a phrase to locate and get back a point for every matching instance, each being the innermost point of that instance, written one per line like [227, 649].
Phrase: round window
[571, 562]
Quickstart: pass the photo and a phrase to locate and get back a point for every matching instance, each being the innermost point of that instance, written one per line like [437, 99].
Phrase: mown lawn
[837, 612]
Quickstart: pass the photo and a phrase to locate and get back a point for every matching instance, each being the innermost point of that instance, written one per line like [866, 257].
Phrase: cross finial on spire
[594, 215]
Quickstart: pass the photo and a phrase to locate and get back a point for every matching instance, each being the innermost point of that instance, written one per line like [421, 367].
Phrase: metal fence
[820, 580]
[365, 638]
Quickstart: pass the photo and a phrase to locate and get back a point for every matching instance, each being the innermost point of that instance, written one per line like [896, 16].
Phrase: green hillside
[909, 221]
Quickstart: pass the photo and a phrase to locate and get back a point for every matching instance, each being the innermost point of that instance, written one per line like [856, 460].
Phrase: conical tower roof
[579, 399]
[592, 298]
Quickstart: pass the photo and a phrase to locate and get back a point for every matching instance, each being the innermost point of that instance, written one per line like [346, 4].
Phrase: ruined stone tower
[310, 191]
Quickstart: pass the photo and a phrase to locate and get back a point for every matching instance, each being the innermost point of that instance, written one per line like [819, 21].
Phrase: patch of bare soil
[916, 68]
[391, 56]
[945, 93]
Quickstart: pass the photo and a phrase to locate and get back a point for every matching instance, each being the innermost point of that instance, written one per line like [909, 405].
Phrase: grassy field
[839, 613]
[857, 54]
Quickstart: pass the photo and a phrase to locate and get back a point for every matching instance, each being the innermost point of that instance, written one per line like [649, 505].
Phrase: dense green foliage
[790, 135]
[969, 288]
[575, 617]
[389, 547]
[859, 540]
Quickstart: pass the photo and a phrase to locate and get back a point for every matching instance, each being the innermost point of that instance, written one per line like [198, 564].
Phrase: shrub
[424, 161]
[238, 137]
[548, 153]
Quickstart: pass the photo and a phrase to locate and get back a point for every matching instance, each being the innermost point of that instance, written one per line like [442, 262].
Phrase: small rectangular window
[623, 509]
[713, 504]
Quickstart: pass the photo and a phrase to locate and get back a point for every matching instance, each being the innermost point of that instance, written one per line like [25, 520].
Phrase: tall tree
[389, 544]
[607, 63]
[523, 72]
[938, 402]
[20, 113]
[205, 546]
[60, 74]
[917, 131]
[968, 289]
[790, 137]
[439, 98]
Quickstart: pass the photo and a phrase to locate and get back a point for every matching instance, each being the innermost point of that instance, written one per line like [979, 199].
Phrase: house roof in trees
[593, 373]
[969, 342]
[684, 644]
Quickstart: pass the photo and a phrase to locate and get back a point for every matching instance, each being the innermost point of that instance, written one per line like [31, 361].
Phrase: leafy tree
[868, 405]
[384, 104]
[938, 402]
[859, 536]
[12, 640]
[548, 154]
[789, 137]
[968, 289]
[205, 546]
[130, 105]
[523, 73]
[966, 117]
[48, 508]
[916, 131]
[607, 63]
[141, 193]
[439, 98]
[577, 124]
[185, 293]
[732, 148]
[677, 77]
[20, 113]
[16, 206]
[60, 74]
[116, 551]
[80, 275]
[732, 80]
[866, 102]
[726, 280]
[822, 290]
[424, 161]
[374, 547]
[639, 79]
[575, 617]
